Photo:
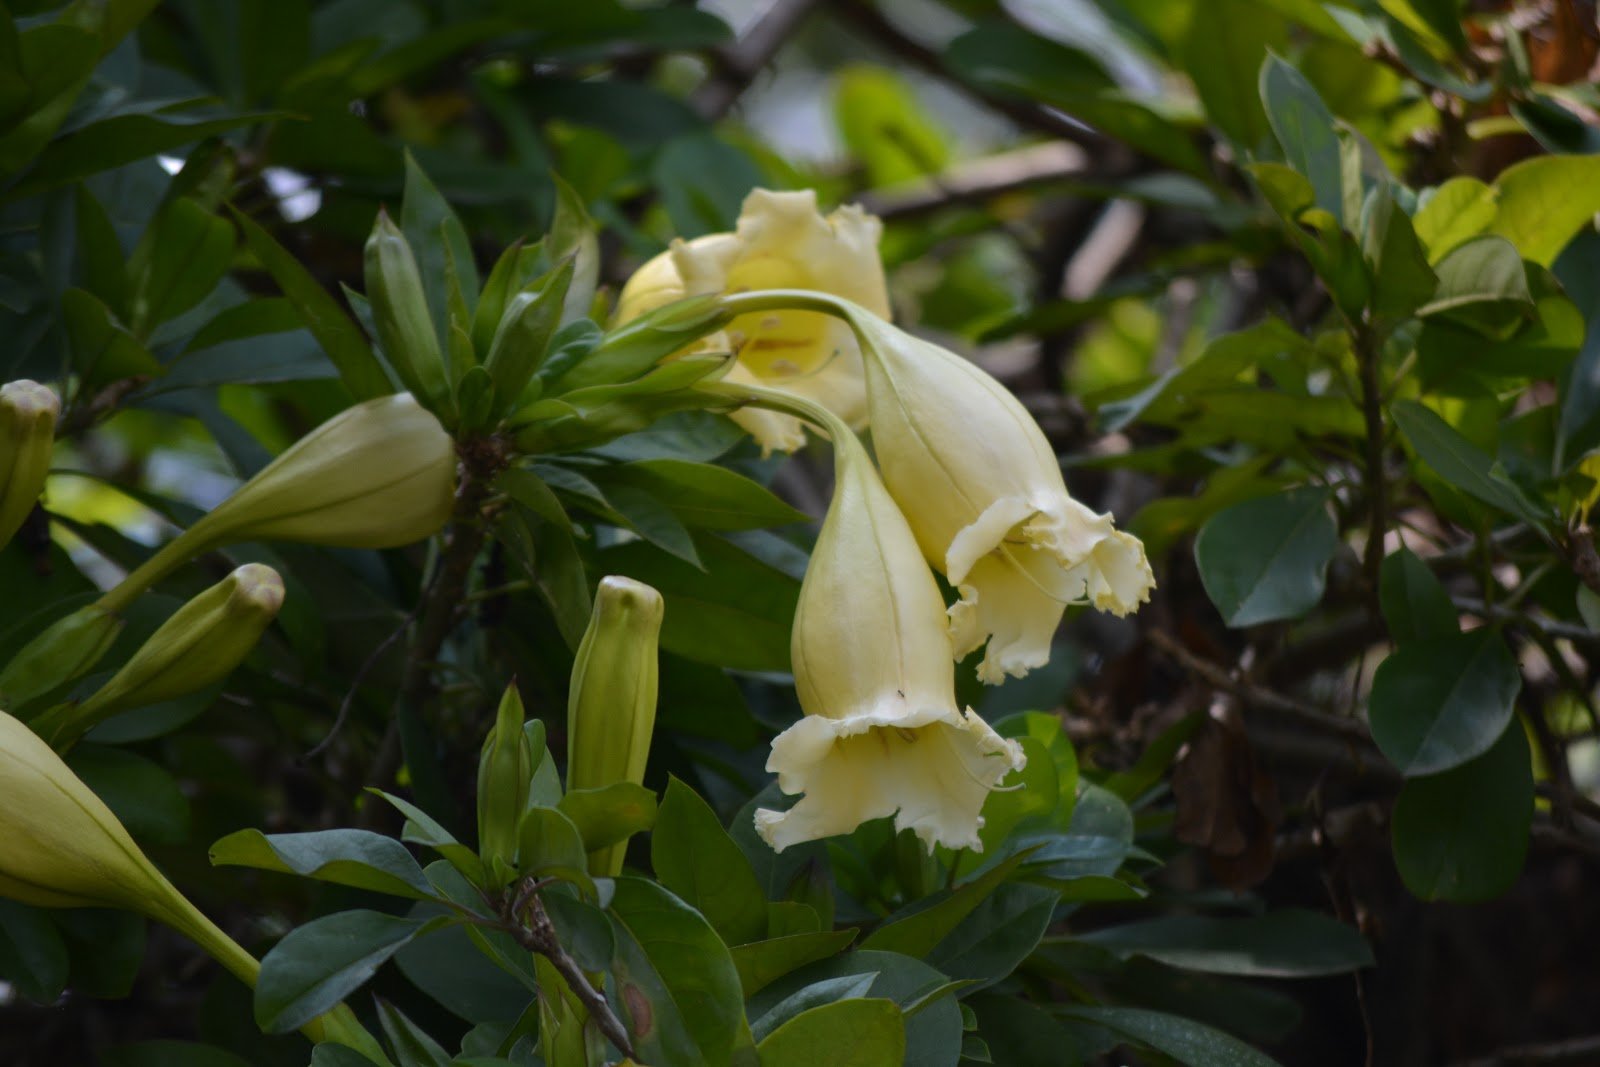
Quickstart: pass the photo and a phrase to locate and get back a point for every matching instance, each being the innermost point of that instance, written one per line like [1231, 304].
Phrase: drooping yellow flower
[983, 491]
[882, 733]
[781, 241]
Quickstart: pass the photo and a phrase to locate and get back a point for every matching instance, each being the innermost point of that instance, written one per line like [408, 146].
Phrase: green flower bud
[61, 847]
[377, 475]
[200, 644]
[27, 433]
[505, 770]
[66, 651]
[400, 313]
[611, 713]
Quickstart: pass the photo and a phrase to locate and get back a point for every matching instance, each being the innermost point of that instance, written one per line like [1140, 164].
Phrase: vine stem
[1377, 488]
[533, 930]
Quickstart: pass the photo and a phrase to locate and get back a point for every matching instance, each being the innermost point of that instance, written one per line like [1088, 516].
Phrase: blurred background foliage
[1164, 223]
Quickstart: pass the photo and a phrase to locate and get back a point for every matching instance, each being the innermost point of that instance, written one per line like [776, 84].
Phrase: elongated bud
[611, 713]
[523, 338]
[27, 433]
[61, 847]
[400, 313]
[504, 771]
[67, 650]
[200, 644]
[377, 475]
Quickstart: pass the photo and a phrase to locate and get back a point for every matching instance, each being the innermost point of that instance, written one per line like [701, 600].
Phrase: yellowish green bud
[27, 433]
[377, 475]
[200, 644]
[400, 313]
[61, 847]
[611, 712]
[505, 770]
[66, 651]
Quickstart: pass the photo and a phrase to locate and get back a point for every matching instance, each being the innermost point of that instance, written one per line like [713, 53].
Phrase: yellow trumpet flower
[780, 241]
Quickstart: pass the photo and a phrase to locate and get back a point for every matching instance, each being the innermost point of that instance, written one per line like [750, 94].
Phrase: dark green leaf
[33, 958]
[1415, 605]
[760, 963]
[436, 235]
[696, 859]
[930, 920]
[1283, 944]
[609, 814]
[847, 1033]
[1480, 270]
[1401, 278]
[189, 250]
[1184, 1040]
[142, 794]
[826, 991]
[1001, 932]
[708, 496]
[1437, 703]
[675, 988]
[170, 1054]
[317, 965]
[1267, 559]
[1461, 463]
[1462, 835]
[1303, 125]
[339, 337]
[358, 858]
[412, 1045]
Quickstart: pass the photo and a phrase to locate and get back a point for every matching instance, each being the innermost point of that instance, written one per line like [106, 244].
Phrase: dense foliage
[373, 486]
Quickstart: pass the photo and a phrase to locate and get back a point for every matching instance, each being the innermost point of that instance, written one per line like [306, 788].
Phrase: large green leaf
[927, 922]
[1457, 210]
[1267, 559]
[1282, 944]
[1185, 1040]
[1304, 128]
[33, 958]
[1544, 202]
[1462, 835]
[846, 1033]
[675, 986]
[1222, 49]
[1415, 605]
[760, 963]
[694, 857]
[1437, 703]
[1462, 464]
[707, 496]
[318, 964]
[358, 858]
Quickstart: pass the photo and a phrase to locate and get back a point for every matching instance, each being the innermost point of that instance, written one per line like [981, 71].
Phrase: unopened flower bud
[27, 433]
[400, 313]
[61, 847]
[200, 644]
[377, 475]
[611, 712]
[504, 771]
[64, 652]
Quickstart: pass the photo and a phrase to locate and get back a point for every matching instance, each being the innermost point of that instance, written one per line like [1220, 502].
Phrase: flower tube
[28, 413]
[882, 734]
[780, 241]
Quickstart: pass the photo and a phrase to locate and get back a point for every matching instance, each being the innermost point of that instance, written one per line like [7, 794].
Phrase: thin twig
[739, 63]
[1254, 695]
[355, 684]
[531, 927]
[982, 179]
[1568, 1051]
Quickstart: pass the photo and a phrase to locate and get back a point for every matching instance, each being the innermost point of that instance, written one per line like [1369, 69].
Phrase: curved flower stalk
[377, 475]
[780, 241]
[61, 847]
[882, 733]
[983, 492]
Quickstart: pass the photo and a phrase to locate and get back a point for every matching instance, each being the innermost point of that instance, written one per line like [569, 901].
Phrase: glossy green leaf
[1283, 944]
[928, 921]
[696, 859]
[1462, 835]
[1480, 270]
[1460, 462]
[1304, 127]
[760, 963]
[1267, 559]
[609, 814]
[1186, 1041]
[1437, 703]
[676, 988]
[847, 1033]
[1401, 278]
[318, 964]
[358, 858]
[189, 250]
[827, 991]
[1415, 605]
[1544, 202]
[707, 496]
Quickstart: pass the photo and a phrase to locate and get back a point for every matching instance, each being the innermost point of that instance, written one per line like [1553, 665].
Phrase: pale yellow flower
[983, 491]
[882, 733]
[781, 241]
